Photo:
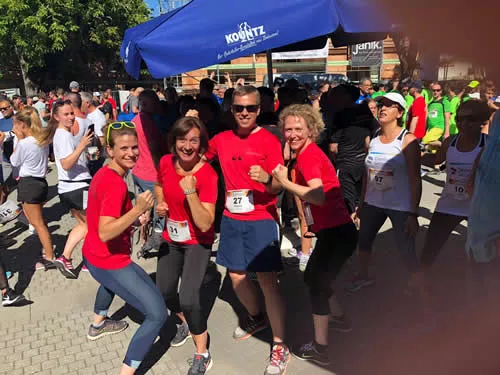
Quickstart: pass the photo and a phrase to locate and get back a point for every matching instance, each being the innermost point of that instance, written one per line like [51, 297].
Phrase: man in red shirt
[107, 97]
[417, 114]
[249, 235]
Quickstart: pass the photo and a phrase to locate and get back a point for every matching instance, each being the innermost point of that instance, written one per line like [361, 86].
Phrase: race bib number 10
[240, 201]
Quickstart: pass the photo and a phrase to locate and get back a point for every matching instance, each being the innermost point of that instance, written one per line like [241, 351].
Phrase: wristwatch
[190, 191]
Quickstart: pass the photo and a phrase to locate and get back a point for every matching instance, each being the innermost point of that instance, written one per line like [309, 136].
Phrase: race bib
[433, 113]
[178, 231]
[307, 213]
[9, 211]
[85, 199]
[381, 180]
[457, 181]
[239, 201]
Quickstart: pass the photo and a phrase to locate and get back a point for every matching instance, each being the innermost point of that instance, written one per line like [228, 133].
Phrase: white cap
[97, 93]
[394, 97]
[35, 98]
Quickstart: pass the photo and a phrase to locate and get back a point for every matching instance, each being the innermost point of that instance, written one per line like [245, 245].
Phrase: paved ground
[391, 334]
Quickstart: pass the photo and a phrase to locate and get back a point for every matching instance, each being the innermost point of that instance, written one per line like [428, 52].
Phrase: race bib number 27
[240, 201]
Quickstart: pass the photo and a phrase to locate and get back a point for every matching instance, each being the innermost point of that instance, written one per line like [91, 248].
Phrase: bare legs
[77, 234]
[33, 213]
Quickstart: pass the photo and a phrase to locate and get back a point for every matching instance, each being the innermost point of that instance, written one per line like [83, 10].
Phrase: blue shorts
[250, 245]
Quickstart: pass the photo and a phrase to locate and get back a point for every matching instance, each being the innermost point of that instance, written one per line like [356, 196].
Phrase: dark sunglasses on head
[59, 102]
[250, 108]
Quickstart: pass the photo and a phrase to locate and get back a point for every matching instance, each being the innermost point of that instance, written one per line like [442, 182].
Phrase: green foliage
[85, 32]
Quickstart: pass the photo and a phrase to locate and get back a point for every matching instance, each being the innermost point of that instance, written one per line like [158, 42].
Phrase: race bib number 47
[240, 201]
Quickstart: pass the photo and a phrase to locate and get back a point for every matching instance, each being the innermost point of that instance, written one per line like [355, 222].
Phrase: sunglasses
[438, 90]
[118, 126]
[4, 109]
[250, 108]
[387, 103]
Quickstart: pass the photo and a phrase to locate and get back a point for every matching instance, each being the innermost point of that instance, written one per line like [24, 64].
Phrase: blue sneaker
[9, 275]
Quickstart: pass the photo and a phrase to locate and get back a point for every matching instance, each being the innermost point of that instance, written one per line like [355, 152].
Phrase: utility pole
[160, 6]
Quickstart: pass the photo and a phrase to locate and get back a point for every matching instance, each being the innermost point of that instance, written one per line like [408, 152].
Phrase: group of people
[202, 167]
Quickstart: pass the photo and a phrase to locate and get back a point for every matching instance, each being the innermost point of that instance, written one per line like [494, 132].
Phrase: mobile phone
[91, 128]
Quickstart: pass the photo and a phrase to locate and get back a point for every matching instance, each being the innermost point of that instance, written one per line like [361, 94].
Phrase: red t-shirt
[112, 102]
[418, 108]
[108, 196]
[178, 207]
[236, 155]
[313, 163]
[147, 134]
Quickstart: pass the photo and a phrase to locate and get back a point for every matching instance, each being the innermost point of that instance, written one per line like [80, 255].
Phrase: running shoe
[200, 364]
[84, 269]
[308, 352]
[66, 267]
[280, 356]
[108, 327]
[292, 252]
[45, 264]
[251, 326]
[340, 323]
[303, 260]
[181, 336]
[11, 297]
[8, 275]
[359, 283]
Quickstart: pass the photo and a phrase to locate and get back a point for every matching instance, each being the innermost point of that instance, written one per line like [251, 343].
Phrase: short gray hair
[87, 97]
[246, 90]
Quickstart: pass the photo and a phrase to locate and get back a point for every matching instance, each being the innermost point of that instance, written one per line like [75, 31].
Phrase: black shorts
[73, 200]
[32, 190]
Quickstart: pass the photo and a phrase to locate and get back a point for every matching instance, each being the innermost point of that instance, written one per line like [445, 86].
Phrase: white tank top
[387, 171]
[454, 199]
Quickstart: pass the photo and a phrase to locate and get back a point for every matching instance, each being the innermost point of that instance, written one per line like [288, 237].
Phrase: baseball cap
[97, 93]
[473, 84]
[393, 97]
[74, 85]
[417, 85]
[35, 98]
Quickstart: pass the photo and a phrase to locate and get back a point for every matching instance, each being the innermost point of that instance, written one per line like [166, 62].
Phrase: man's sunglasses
[118, 126]
[250, 108]
[4, 109]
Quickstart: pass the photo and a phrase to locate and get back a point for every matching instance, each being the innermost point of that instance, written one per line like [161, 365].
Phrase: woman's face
[125, 151]
[373, 108]
[389, 112]
[187, 148]
[297, 133]
[65, 115]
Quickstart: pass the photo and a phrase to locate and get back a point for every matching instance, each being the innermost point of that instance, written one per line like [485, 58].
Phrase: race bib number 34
[240, 201]
[178, 231]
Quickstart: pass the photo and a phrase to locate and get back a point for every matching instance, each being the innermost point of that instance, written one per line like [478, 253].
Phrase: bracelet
[190, 191]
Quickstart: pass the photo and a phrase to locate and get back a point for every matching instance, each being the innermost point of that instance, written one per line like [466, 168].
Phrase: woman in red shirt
[325, 211]
[186, 193]
[107, 248]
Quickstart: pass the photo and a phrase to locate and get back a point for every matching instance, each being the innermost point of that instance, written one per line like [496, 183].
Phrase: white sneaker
[31, 230]
[303, 260]
[292, 252]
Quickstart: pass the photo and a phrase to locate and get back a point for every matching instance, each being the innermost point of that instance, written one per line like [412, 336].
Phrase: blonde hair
[30, 117]
[311, 116]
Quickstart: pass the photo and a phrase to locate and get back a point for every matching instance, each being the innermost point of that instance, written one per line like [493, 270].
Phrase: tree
[83, 33]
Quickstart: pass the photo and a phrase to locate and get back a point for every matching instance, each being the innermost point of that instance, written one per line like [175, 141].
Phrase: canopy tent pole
[269, 58]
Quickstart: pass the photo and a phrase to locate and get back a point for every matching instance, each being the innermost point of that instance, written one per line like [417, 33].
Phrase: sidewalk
[48, 336]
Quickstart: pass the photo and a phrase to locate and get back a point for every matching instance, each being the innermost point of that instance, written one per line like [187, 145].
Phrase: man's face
[17, 101]
[489, 94]
[6, 109]
[245, 110]
[437, 91]
[106, 94]
[366, 86]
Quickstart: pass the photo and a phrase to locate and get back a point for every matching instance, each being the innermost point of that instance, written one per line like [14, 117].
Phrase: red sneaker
[66, 267]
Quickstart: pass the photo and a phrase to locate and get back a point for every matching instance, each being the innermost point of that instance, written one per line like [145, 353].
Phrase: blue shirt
[362, 98]
[6, 124]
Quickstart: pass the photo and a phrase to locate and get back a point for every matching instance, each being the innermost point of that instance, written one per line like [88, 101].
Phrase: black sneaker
[10, 298]
[200, 364]
[251, 326]
[109, 327]
[308, 352]
[181, 336]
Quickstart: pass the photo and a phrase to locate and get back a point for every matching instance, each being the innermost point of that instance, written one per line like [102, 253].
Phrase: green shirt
[376, 94]
[426, 93]
[409, 101]
[435, 113]
[454, 104]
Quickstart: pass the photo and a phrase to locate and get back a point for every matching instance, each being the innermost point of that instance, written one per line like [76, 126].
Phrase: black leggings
[4, 284]
[440, 228]
[351, 182]
[333, 247]
[189, 262]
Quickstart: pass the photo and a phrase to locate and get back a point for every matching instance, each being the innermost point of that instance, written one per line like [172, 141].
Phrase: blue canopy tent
[209, 32]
